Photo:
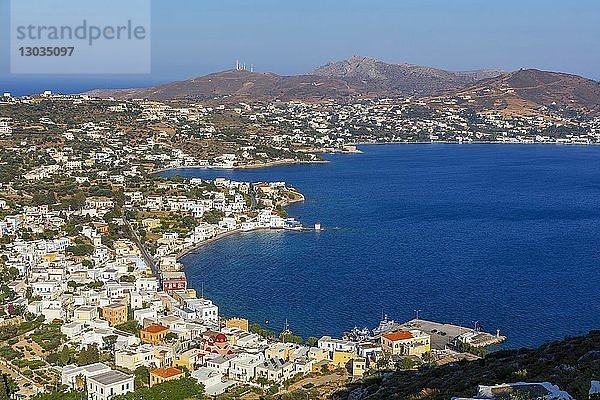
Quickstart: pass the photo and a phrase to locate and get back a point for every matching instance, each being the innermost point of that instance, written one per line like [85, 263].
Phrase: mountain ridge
[366, 77]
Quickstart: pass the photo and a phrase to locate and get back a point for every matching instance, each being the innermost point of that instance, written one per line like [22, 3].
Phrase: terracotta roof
[400, 335]
[155, 328]
[166, 372]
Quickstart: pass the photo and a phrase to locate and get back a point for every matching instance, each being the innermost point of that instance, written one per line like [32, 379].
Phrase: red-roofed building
[154, 334]
[161, 375]
[406, 343]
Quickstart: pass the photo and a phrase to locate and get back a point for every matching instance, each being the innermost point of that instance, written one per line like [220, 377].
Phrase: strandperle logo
[84, 32]
[80, 37]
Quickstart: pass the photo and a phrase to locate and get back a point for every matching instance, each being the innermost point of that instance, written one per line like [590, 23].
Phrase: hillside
[518, 92]
[533, 88]
[239, 85]
[571, 364]
[374, 77]
[353, 77]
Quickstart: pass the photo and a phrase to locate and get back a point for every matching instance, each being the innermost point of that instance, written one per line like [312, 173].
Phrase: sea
[504, 236]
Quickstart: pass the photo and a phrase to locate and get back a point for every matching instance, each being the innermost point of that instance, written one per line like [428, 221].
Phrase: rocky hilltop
[522, 91]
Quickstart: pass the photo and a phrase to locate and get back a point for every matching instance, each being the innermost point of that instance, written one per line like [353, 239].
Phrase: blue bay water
[507, 235]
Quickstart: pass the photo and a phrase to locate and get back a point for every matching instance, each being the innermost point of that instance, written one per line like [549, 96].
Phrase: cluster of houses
[179, 332]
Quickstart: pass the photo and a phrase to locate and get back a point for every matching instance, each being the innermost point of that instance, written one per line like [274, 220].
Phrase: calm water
[507, 235]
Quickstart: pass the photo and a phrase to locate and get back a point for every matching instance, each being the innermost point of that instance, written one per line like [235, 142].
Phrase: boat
[384, 325]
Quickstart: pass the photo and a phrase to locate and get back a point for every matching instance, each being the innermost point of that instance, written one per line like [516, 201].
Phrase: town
[93, 298]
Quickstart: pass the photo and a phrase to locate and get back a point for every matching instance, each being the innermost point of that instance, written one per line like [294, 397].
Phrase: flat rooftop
[110, 377]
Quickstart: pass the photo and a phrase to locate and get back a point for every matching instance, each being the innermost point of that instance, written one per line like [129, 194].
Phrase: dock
[444, 334]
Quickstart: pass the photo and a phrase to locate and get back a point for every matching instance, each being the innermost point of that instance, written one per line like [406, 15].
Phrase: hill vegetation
[571, 364]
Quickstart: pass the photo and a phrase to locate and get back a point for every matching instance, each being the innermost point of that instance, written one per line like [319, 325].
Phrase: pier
[445, 334]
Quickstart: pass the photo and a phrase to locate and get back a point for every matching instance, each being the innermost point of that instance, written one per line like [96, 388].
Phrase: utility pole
[417, 311]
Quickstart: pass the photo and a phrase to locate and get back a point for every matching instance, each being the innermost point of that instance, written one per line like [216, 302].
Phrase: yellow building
[115, 314]
[240, 323]
[318, 354]
[161, 375]
[322, 367]
[406, 343]
[190, 359]
[342, 358]
[359, 366]
[154, 334]
[50, 257]
[151, 223]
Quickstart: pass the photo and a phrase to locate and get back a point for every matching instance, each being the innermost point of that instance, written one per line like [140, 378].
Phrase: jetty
[444, 335]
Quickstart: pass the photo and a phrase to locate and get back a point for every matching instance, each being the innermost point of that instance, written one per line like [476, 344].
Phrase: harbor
[442, 335]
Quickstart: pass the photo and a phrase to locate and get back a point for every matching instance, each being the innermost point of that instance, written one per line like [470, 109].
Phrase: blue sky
[196, 37]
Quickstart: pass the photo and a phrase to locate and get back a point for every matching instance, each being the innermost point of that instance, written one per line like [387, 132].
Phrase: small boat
[384, 325]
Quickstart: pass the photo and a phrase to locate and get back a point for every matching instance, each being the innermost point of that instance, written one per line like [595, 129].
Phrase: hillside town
[93, 297]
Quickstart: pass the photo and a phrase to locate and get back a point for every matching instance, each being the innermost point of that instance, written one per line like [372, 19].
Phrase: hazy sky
[195, 37]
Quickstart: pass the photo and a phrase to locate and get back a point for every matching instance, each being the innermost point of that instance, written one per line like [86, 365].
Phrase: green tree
[142, 377]
[262, 381]
[7, 387]
[60, 395]
[89, 355]
[407, 363]
[289, 338]
[180, 389]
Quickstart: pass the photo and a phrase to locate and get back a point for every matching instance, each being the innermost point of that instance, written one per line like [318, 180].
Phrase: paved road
[145, 255]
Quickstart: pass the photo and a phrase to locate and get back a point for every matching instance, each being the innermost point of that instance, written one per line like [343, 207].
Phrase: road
[145, 255]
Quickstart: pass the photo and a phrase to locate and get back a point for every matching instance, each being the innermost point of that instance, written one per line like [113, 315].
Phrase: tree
[60, 395]
[7, 387]
[142, 377]
[262, 381]
[89, 355]
[130, 326]
[110, 341]
[312, 341]
[289, 338]
[407, 363]
[179, 389]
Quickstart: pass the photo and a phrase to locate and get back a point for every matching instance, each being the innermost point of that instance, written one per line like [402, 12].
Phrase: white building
[71, 373]
[331, 345]
[204, 308]
[106, 385]
[243, 367]
[212, 381]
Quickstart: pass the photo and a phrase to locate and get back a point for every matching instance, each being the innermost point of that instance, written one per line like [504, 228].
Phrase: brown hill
[238, 85]
[536, 88]
[374, 77]
[520, 92]
[355, 76]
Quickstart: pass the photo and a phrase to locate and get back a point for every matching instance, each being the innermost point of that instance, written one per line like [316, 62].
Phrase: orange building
[115, 314]
[161, 375]
[154, 334]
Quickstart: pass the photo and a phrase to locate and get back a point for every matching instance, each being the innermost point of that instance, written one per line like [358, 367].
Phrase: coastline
[217, 237]
[240, 167]
[232, 232]
[363, 143]
[374, 143]
[222, 235]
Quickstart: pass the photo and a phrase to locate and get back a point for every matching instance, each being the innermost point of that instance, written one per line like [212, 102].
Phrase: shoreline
[239, 167]
[477, 142]
[219, 236]
[232, 232]
[368, 143]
